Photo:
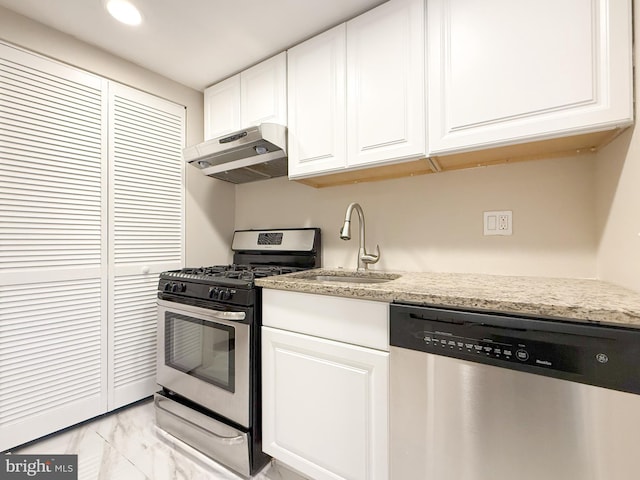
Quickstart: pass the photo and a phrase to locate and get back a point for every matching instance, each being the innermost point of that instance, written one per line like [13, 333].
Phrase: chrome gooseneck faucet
[364, 258]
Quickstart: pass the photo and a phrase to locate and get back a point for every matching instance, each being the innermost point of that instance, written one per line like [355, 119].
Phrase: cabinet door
[325, 406]
[146, 137]
[385, 84]
[504, 72]
[317, 104]
[53, 197]
[263, 92]
[222, 108]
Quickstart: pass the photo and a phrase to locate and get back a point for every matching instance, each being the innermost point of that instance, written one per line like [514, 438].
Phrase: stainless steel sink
[353, 278]
[332, 278]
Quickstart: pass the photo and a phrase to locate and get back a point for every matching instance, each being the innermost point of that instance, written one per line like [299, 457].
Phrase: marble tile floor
[126, 445]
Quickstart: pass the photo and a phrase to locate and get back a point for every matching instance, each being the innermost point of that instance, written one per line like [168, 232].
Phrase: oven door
[203, 355]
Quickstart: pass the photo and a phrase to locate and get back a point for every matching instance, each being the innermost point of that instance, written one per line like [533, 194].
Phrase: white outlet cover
[498, 222]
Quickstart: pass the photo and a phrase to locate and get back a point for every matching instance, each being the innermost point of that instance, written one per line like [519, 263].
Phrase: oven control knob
[167, 286]
[225, 294]
[179, 287]
[213, 292]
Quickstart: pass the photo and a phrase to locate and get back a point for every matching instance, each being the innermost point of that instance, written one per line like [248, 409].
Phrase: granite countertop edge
[572, 299]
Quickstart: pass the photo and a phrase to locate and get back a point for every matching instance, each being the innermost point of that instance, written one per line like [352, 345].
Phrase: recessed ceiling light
[124, 11]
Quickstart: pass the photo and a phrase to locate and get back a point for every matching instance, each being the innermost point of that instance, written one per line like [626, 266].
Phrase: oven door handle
[203, 313]
[220, 438]
[230, 316]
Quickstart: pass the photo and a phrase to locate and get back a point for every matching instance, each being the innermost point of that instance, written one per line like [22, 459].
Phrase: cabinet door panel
[505, 72]
[263, 92]
[505, 62]
[325, 406]
[146, 217]
[385, 83]
[222, 108]
[317, 104]
[53, 370]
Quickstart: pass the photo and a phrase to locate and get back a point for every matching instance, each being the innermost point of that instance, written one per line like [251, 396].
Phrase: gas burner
[261, 272]
[201, 271]
[236, 271]
[239, 274]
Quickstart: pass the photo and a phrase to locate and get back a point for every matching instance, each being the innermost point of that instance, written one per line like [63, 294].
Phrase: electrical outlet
[498, 222]
[504, 222]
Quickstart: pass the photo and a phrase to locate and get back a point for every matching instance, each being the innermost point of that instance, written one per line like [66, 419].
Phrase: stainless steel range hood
[256, 153]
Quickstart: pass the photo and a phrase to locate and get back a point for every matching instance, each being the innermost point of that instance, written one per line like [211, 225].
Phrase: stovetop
[257, 254]
[229, 284]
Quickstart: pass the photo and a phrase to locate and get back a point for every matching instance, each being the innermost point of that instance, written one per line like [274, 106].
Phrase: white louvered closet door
[52, 246]
[146, 137]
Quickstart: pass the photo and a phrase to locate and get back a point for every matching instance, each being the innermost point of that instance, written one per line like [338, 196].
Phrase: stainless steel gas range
[209, 345]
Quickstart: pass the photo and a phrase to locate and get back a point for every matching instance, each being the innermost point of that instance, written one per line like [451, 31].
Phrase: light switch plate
[498, 222]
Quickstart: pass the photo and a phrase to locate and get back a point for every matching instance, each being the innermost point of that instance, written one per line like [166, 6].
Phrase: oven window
[200, 348]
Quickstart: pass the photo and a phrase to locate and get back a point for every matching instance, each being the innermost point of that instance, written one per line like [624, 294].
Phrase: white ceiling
[195, 42]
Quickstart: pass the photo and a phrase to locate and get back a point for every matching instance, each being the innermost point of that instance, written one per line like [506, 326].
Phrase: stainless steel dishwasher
[477, 396]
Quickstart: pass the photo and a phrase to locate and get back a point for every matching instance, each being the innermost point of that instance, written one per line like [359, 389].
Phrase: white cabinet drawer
[358, 322]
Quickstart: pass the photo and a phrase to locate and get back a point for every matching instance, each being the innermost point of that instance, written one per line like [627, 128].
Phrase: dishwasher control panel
[585, 353]
[494, 344]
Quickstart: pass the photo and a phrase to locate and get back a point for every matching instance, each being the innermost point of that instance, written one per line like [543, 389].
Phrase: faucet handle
[371, 258]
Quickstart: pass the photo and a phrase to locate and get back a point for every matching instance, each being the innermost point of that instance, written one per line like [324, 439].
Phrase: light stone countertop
[591, 301]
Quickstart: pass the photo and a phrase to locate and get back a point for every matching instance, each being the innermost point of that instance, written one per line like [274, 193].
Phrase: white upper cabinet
[385, 83]
[504, 72]
[263, 92]
[317, 103]
[252, 97]
[357, 94]
[222, 108]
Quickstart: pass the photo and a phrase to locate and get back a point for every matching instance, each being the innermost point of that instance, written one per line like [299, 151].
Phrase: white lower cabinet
[325, 402]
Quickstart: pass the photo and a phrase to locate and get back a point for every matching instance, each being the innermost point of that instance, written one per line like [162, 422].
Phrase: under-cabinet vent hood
[256, 153]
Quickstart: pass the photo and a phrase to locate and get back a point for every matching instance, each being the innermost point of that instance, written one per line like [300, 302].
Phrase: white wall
[209, 202]
[618, 211]
[435, 222]
[618, 203]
